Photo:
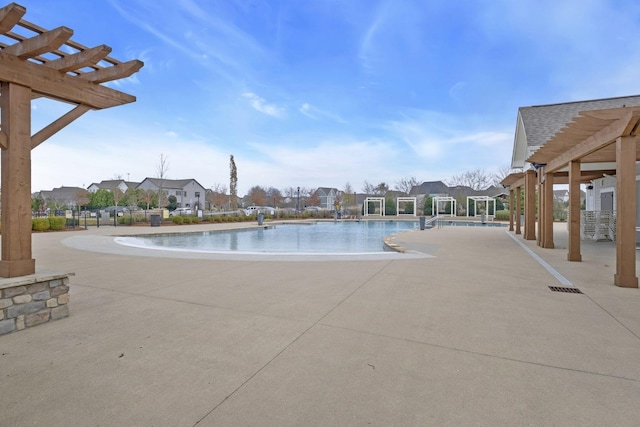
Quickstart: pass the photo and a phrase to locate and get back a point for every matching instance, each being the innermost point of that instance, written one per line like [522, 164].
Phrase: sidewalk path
[470, 336]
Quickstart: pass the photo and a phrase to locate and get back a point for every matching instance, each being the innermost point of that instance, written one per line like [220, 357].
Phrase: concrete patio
[470, 336]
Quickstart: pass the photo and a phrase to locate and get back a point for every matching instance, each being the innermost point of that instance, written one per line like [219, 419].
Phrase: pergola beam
[10, 15]
[42, 43]
[621, 127]
[80, 60]
[51, 129]
[116, 72]
[54, 84]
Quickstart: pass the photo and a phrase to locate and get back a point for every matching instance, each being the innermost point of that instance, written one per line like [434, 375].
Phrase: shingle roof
[541, 122]
[170, 183]
[61, 193]
[431, 187]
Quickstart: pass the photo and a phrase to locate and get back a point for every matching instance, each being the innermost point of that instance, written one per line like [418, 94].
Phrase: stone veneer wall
[31, 300]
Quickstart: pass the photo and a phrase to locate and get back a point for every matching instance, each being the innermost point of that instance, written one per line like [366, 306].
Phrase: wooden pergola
[593, 144]
[35, 63]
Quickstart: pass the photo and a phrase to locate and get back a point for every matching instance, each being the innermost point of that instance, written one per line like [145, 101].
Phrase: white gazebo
[400, 200]
[485, 199]
[435, 206]
[378, 200]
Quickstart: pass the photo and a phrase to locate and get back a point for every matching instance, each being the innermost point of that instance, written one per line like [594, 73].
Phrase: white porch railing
[598, 225]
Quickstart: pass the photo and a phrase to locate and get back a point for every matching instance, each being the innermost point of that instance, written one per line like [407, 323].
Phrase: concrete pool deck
[470, 336]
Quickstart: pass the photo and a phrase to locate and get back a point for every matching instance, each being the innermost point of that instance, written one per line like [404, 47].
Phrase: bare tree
[406, 184]
[81, 197]
[378, 190]
[257, 195]
[348, 198]
[381, 189]
[274, 197]
[218, 195]
[117, 196]
[132, 197]
[161, 173]
[146, 197]
[502, 173]
[233, 183]
[313, 198]
[368, 188]
[476, 179]
[290, 192]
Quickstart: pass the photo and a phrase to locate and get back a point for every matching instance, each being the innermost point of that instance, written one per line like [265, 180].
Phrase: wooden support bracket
[54, 127]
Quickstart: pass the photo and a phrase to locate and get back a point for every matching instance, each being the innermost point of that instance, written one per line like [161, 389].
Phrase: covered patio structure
[595, 143]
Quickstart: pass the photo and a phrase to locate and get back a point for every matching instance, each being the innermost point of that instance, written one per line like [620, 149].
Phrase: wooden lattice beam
[10, 15]
[120, 71]
[54, 84]
[42, 43]
[80, 59]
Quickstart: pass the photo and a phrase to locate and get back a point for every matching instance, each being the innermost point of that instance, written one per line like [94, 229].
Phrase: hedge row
[50, 223]
[502, 215]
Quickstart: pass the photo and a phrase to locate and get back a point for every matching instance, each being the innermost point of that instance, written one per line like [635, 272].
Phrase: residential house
[112, 184]
[430, 189]
[60, 198]
[327, 197]
[188, 192]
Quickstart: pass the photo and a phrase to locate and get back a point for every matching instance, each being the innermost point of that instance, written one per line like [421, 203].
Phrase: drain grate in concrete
[565, 289]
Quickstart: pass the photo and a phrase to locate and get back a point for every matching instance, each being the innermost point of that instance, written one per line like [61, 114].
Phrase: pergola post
[518, 209]
[625, 275]
[574, 211]
[16, 181]
[547, 196]
[530, 205]
[48, 64]
[541, 212]
[40, 63]
[511, 209]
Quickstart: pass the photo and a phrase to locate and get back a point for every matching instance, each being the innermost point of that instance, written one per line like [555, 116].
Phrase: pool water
[313, 238]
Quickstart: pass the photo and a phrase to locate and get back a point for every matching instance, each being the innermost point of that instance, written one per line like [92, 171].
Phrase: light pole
[298, 202]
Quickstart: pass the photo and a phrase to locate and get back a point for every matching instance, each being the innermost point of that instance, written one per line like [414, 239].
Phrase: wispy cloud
[206, 36]
[260, 104]
[316, 113]
[434, 136]
[326, 162]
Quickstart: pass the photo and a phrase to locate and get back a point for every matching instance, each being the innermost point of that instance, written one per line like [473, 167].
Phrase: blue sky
[324, 92]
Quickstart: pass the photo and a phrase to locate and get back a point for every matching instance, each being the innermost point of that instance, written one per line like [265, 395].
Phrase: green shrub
[195, 220]
[502, 215]
[57, 222]
[40, 224]
[187, 220]
[178, 220]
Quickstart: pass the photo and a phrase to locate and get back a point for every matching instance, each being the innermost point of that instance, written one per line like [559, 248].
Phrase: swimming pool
[313, 238]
